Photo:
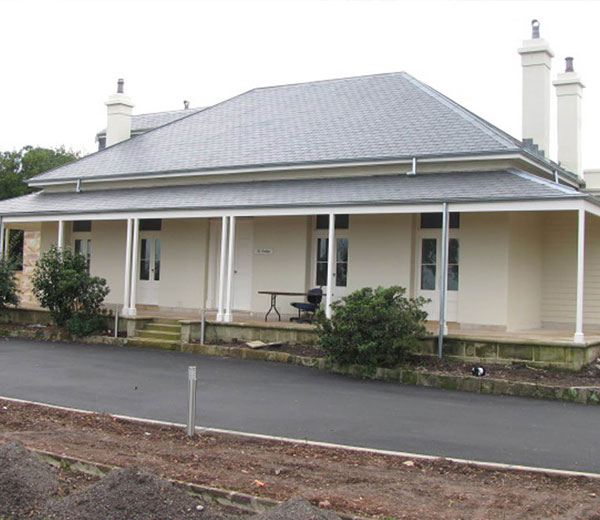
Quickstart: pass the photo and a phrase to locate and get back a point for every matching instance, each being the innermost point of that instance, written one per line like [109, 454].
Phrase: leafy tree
[372, 327]
[18, 166]
[62, 284]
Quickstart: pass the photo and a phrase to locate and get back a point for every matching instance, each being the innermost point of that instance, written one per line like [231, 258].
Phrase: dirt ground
[365, 484]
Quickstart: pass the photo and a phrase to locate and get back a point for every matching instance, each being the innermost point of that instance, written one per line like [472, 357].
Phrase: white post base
[219, 316]
[578, 337]
[228, 318]
[445, 329]
[125, 311]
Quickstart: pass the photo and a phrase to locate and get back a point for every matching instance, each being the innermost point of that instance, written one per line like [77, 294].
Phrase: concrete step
[158, 334]
[154, 343]
[163, 327]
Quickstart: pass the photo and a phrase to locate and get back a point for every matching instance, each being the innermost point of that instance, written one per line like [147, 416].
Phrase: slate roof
[377, 117]
[393, 189]
[145, 122]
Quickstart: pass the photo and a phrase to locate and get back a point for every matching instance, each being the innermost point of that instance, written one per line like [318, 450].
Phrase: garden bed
[352, 482]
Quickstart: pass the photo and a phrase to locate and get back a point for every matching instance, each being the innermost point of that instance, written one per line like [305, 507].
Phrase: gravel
[25, 481]
[133, 494]
[296, 509]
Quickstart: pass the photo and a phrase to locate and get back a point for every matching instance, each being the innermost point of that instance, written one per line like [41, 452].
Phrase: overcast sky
[61, 58]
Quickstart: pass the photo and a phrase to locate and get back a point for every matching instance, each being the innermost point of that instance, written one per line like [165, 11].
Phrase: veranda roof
[506, 185]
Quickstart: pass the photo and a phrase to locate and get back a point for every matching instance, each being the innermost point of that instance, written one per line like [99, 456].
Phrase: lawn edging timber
[235, 499]
[404, 375]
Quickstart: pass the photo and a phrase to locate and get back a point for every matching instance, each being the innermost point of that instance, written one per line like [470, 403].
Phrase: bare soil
[346, 481]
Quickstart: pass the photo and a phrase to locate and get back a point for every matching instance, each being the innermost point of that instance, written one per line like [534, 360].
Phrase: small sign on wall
[264, 251]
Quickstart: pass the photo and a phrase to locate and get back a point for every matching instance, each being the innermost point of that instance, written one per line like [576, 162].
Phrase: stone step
[157, 334]
[166, 321]
[163, 327]
[154, 343]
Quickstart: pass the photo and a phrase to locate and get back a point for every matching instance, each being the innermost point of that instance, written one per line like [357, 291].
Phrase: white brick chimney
[118, 124]
[536, 59]
[569, 91]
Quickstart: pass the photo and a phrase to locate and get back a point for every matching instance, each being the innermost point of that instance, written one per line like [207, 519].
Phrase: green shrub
[62, 284]
[8, 284]
[372, 327]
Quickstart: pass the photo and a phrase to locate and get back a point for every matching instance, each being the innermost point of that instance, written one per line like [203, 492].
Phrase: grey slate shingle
[398, 189]
[384, 116]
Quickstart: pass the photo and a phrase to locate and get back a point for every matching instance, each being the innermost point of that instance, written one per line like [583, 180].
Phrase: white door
[148, 284]
[340, 270]
[428, 272]
[242, 270]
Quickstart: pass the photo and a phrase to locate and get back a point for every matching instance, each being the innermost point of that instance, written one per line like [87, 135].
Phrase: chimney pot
[569, 64]
[186, 105]
[120, 85]
[535, 29]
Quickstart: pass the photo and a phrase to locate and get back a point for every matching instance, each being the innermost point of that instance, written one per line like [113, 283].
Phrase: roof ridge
[493, 131]
[330, 80]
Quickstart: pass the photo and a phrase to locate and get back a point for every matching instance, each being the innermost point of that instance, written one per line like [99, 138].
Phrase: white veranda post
[134, 266]
[579, 337]
[330, 264]
[127, 289]
[443, 279]
[230, 264]
[221, 287]
[60, 242]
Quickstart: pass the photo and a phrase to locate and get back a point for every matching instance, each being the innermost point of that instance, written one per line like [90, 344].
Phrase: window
[341, 267]
[84, 226]
[150, 224]
[453, 264]
[150, 250]
[84, 247]
[428, 263]
[434, 220]
[341, 221]
[15, 247]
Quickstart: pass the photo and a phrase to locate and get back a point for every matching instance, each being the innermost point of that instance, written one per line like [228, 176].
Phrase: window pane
[431, 220]
[341, 221]
[341, 275]
[82, 225]
[342, 249]
[78, 246]
[453, 251]
[145, 260]
[157, 259]
[453, 277]
[150, 224]
[428, 277]
[454, 220]
[428, 251]
[322, 244]
[434, 220]
[321, 273]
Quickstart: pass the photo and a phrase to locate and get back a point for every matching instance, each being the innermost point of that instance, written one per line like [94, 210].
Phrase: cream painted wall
[559, 270]
[108, 255]
[49, 235]
[285, 268]
[379, 251]
[183, 262]
[524, 270]
[483, 271]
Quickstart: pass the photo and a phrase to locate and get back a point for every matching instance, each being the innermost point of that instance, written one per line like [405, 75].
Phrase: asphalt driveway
[277, 399]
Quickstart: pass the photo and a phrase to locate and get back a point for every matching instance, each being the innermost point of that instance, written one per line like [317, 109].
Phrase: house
[344, 183]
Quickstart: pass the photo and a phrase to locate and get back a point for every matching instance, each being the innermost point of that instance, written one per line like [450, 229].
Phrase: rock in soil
[26, 482]
[133, 494]
[296, 509]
